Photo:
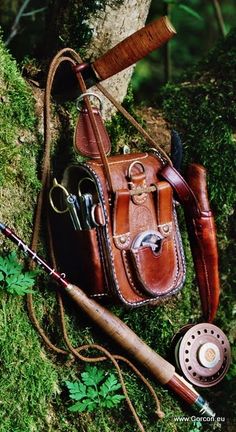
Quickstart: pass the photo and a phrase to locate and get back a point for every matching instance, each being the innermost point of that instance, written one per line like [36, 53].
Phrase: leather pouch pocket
[155, 272]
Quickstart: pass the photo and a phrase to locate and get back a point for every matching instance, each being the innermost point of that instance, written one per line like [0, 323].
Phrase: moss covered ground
[32, 378]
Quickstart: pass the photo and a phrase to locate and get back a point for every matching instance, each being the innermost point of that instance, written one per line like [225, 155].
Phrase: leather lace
[69, 55]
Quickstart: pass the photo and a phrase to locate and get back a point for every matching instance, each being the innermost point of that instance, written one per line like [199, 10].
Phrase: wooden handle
[123, 335]
[133, 48]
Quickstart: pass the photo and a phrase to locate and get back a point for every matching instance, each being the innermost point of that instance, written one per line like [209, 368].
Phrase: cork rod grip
[157, 366]
[123, 335]
[134, 48]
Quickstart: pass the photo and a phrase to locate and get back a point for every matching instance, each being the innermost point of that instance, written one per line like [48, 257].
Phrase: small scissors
[71, 204]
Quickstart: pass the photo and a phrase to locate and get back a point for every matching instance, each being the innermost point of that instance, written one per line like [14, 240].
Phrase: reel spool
[202, 354]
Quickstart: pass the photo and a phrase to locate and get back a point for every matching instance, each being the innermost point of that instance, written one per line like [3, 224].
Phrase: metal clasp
[89, 94]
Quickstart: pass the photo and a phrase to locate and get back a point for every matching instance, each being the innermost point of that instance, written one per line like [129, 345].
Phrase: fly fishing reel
[202, 354]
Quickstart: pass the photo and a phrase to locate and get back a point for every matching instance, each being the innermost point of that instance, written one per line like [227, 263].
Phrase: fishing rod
[160, 368]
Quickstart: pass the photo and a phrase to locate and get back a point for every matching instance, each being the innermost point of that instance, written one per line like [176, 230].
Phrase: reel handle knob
[209, 355]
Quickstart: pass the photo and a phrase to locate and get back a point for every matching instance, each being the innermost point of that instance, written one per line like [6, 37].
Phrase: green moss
[25, 370]
[204, 110]
[17, 107]
[27, 378]
[19, 145]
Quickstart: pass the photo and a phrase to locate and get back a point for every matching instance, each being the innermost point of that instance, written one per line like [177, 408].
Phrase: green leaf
[112, 401]
[11, 274]
[117, 398]
[92, 393]
[92, 376]
[12, 264]
[86, 404]
[110, 385]
[77, 390]
[190, 11]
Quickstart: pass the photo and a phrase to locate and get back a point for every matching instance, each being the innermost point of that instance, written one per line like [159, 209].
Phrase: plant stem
[219, 17]
[15, 26]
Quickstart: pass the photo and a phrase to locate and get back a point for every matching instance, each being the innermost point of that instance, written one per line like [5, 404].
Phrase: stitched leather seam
[177, 244]
[122, 241]
[115, 235]
[157, 155]
[177, 239]
[180, 244]
[123, 234]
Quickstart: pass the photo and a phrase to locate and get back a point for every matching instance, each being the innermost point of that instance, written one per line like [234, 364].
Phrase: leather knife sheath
[192, 193]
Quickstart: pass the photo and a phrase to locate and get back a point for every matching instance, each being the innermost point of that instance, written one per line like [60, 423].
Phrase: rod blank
[162, 370]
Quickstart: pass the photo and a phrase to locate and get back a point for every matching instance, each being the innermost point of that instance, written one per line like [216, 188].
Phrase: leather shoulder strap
[185, 193]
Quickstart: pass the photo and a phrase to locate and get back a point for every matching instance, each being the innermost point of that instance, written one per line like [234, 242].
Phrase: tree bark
[104, 27]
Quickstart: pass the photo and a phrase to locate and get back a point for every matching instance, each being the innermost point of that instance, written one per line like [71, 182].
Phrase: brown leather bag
[133, 249]
[129, 247]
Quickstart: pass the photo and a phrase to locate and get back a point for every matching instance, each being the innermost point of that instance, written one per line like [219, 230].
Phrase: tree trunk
[93, 30]
[106, 25]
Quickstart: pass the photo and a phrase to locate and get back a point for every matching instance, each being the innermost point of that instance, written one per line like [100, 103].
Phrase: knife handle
[133, 48]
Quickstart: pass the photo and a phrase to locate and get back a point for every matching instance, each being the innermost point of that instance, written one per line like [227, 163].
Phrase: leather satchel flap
[153, 258]
[84, 138]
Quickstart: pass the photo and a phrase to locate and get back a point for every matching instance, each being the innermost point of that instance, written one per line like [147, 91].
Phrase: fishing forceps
[71, 203]
[87, 204]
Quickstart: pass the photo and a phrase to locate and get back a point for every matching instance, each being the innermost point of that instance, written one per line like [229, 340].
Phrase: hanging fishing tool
[69, 203]
[161, 369]
[88, 206]
[82, 208]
